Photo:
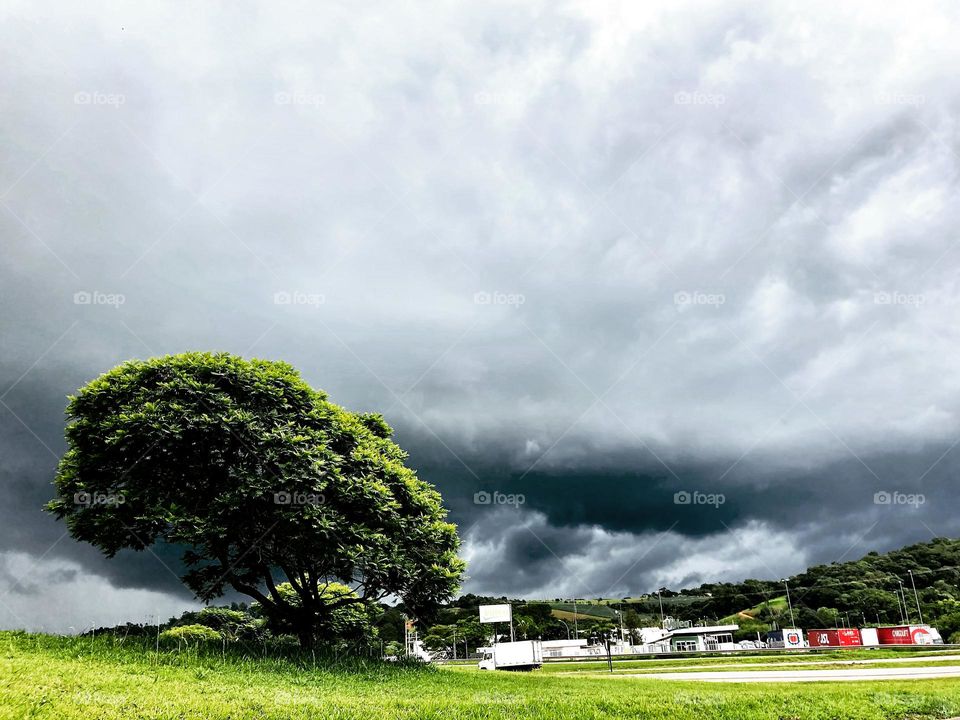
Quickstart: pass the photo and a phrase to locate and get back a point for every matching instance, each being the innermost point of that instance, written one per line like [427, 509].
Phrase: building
[706, 638]
[571, 648]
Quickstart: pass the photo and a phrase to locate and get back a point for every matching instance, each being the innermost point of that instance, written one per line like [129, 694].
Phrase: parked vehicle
[785, 639]
[521, 655]
[909, 635]
[834, 637]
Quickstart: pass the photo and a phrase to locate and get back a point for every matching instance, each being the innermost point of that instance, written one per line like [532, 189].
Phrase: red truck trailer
[834, 637]
[909, 635]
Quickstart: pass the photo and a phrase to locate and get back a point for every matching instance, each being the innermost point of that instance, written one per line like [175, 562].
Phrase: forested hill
[864, 590]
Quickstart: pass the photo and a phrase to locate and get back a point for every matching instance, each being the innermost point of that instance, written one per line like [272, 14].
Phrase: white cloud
[595, 159]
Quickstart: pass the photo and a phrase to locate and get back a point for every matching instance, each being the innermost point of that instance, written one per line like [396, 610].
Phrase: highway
[860, 673]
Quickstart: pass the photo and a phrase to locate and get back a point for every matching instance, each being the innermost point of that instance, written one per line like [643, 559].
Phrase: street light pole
[576, 628]
[906, 614]
[789, 604]
[915, 596]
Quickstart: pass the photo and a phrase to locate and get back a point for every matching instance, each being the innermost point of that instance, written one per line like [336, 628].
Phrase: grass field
[775, 604]
[834, 657]
[51, 677]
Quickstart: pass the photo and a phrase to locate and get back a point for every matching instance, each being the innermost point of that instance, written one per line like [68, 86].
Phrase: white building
[705, 638]
[571, 648]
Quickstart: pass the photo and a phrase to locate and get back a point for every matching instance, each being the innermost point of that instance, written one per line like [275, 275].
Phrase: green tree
[355, 621]
[260, 479]
[440, 637]
[828, 617]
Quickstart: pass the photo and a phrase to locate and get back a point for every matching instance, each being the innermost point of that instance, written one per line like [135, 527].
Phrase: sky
[654, 293]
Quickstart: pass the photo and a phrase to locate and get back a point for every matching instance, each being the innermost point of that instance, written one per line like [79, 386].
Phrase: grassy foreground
[50, 677]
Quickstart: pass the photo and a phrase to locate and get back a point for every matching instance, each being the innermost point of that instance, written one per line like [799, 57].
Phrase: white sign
[495, 613]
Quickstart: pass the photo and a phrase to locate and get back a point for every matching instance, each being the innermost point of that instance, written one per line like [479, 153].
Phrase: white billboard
[495, 613]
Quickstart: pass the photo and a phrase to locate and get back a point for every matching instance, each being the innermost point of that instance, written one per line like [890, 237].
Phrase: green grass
[766, 658]
[653, 670]
[777, 604]
[584, 610]
[74, 678]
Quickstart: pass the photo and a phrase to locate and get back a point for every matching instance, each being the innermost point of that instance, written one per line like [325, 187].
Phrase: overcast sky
[583, 256]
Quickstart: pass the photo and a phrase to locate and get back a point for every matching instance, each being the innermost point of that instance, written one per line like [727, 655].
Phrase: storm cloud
[654, 293]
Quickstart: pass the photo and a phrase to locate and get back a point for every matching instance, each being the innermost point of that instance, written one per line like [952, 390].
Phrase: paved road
[904, 673]
[803, 663]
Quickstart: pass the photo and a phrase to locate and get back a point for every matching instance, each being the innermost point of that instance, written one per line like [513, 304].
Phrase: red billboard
[908, 635]
[835, 637]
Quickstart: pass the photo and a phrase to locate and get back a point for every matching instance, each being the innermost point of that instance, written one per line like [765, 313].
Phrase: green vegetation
[856, 593]
[705, 662]
[190, 635]
[80, 678]
[217, 455]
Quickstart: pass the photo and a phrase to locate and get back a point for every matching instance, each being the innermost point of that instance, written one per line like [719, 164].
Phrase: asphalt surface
[807, 663]
[904, 673]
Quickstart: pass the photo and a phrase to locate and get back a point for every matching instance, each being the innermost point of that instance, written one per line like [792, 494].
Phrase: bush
[190, 635]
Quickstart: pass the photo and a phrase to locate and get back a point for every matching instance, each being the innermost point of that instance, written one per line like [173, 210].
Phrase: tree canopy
[261, 480]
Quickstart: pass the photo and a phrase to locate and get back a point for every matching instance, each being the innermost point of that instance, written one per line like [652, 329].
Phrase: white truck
[521, 655]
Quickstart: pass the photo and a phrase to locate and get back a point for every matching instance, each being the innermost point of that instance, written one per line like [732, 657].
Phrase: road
[804, 663]
[900, 673]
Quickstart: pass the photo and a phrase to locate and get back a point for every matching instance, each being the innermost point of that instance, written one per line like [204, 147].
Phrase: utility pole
[789, 604]
[576, 629]
[660, 597]
[915, 596]
[622, 635]
[905, 614]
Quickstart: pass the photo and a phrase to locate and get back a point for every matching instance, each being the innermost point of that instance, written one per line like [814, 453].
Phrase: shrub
[190, 635]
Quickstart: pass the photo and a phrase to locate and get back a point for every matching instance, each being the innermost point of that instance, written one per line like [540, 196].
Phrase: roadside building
[706, 638]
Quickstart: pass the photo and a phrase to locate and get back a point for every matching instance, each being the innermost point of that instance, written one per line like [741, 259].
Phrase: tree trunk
[305, 635]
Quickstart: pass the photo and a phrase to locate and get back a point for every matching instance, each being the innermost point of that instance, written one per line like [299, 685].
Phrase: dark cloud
[592, 258]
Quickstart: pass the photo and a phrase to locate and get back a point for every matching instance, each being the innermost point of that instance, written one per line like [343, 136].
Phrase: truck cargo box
[785, 638]
[521, 655]
[909, 635]
[834, 637]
